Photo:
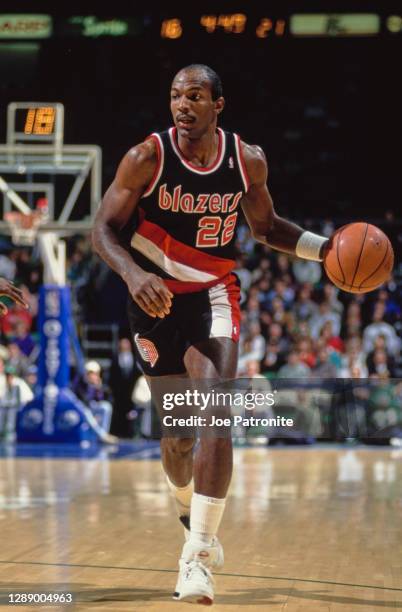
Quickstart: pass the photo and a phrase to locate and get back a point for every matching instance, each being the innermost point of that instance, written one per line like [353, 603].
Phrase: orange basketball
[360, 258]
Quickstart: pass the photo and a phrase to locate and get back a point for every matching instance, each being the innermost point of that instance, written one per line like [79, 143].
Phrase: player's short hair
[212, 76]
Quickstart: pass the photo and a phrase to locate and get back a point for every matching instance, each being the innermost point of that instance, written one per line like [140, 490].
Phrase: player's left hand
[8, 289]
[325, 248]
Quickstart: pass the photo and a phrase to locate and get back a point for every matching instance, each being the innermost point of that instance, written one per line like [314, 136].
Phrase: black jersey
[188, 215]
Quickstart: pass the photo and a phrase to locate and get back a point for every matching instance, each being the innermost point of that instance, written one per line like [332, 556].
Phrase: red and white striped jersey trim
[183, 262]
[198, 169]
[159, 167]
[242, 165]
[173, 268]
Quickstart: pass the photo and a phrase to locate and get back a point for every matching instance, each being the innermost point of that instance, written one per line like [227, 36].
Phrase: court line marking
[171, 571]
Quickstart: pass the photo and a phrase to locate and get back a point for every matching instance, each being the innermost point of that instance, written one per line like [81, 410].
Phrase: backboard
[35, 165]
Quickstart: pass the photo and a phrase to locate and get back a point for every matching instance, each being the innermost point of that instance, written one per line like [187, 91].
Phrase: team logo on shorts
[147, 350]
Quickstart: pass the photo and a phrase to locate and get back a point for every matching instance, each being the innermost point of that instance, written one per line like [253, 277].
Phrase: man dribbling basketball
[187, 184]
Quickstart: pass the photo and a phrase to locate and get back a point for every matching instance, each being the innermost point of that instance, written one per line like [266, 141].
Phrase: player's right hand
[8, 289]
[151, 294]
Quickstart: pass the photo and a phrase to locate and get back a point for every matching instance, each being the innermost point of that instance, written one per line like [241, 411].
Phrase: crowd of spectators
[294, 323]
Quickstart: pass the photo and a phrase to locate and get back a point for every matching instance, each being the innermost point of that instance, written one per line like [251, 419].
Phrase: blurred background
[317, 86]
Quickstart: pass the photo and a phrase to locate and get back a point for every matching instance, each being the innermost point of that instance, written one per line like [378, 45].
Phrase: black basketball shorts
[160, 344]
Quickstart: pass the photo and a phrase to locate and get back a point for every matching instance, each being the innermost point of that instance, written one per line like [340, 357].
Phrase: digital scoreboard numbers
[40, 120]
[297, 25]
[35, 122]
[235, 23]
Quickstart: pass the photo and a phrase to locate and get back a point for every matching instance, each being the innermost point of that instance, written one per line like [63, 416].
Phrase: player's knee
[179, 446]
[211, 445]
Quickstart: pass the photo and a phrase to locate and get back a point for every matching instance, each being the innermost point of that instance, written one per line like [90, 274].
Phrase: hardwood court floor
[305, 530]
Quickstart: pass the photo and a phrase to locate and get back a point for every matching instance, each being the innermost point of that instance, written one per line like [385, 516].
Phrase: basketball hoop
[24, 227]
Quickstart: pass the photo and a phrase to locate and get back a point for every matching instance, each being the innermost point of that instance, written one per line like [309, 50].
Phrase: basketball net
[24, 229]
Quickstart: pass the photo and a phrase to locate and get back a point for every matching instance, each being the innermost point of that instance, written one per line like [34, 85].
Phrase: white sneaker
[195, 583]
[219, 557]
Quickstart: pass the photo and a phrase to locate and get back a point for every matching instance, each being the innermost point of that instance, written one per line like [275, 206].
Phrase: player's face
[192, 107]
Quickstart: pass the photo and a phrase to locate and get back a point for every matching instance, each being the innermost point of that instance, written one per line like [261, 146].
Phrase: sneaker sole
[202, 600]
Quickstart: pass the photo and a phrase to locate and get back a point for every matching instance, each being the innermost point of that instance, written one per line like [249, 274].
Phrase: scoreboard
[260, 24]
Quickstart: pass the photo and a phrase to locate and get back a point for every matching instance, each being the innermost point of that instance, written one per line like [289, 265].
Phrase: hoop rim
[14, 216]
[23, 226]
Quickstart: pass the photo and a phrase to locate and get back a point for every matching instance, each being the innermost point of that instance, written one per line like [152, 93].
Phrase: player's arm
[133, 176]
[268, 227]
[9, 290]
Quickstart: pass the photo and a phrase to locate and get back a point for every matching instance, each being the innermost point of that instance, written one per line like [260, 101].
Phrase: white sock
[205, 517]
[182, 496]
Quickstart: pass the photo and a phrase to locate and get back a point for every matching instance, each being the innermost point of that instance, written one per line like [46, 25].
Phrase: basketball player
[187, 185]
[8, 289]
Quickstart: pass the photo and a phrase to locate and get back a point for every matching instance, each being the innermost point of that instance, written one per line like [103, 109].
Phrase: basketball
[360, 258]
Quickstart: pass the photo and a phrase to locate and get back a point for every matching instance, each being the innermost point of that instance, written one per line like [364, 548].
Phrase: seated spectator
[10, 403]
[324, 368]
[324, 315]
[15, 314]
[352, 370]
[9, 381]
[2, 375]
[276, 334]
[353, 366]
[278, 311]
[306, 271]
[8, 268]
[22, 338]
[242, 272]
[244, 240]
[384, 410]
[34, 281]
[17, 359]
[262, 270]
[353, 359]
[32, 299]
[304, 307]
[330, 339]
[380, 328]
[331, 298]
[282, 264]
[380, 364]
[354, 309]
[253, 369]
[392, 305]
[265, 322]
[282, 291]
[252, 310]
[352, 326]
[3, 352]
[31, 377]
[306, 352]
[94, 394]
[294, 367]
[299, 330]
[257, 341]
[264, 290]
[123, 374]
[252, 346]
[274, 358]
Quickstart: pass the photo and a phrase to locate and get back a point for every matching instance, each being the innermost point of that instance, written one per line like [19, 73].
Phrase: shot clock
[35, 122]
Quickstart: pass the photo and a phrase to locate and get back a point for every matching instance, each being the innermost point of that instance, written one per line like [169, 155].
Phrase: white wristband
[309, 246]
